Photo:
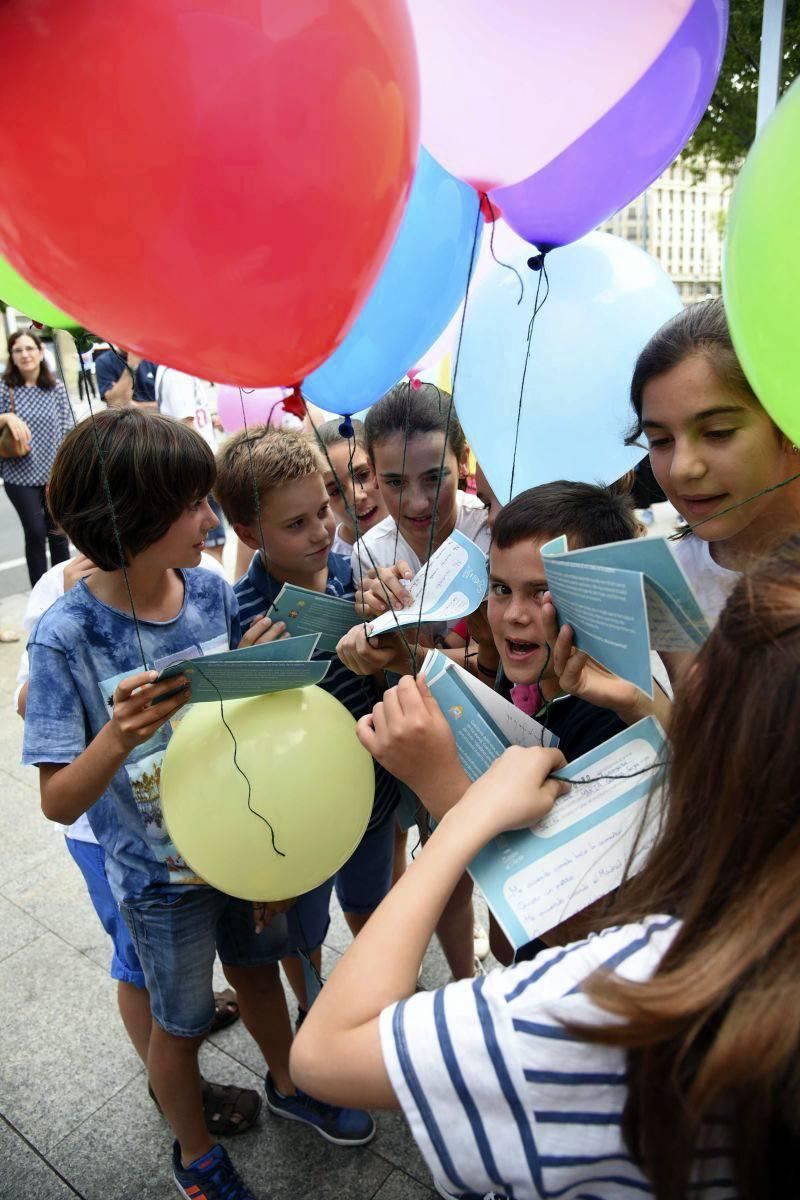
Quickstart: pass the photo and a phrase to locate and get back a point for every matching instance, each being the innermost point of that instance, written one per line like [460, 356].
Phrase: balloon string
[254, 811]
[537, 306]
[499, 261]
[406, 432]
[450, 410]
[60, 367]
[686, 530]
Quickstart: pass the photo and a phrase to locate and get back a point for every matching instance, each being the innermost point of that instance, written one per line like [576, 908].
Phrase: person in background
[34, 408]
[125, 378]
[187, 399]
[351, 484]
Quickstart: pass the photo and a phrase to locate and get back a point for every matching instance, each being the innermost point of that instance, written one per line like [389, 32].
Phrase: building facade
[681, 222]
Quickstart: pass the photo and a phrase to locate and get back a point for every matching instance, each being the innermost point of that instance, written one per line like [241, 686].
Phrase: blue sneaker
[210, 1177]
[342, 1126]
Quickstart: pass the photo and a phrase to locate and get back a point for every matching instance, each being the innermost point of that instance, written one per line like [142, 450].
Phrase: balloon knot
[295, 404]
[413, 378]
[346, 429]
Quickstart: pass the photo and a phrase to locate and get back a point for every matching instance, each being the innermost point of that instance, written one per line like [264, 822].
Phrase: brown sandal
[226, 1010]
[228, 1109]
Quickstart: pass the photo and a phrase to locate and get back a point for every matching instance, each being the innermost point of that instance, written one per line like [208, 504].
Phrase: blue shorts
[177, 931]
[91, 860]
[217, 535]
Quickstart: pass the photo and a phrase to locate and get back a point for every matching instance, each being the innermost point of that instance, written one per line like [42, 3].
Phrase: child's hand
[408, 734]
[140, 708]
[264, 911]
[581, 676]
[516, 791]
[79, 567]
[263, 629]
[382, 587]
[365, 657]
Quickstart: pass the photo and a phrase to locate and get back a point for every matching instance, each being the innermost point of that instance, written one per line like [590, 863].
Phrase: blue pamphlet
[307, 612]
[483, 723]
[533, 879]
[250, 671]
[623, 599]
[451, 585]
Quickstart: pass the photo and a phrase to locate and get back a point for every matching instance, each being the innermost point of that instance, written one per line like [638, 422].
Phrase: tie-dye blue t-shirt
[79, 651]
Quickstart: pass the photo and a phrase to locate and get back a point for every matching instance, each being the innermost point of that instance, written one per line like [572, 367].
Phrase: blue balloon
[606, 299]
[418, 291]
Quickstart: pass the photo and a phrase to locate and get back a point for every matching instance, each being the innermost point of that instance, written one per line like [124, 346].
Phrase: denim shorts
[177, 931]
[91, 860]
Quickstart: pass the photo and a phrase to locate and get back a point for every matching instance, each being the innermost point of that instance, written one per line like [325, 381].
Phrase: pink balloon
[505, 88]
[263, 406]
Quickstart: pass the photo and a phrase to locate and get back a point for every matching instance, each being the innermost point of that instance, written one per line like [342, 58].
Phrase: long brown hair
[12, 374]
[716, 1032]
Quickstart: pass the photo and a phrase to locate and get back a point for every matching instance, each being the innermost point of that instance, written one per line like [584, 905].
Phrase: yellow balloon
[310, 778]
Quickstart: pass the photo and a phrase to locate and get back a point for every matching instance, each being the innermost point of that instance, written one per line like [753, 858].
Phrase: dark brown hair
[716, 1032]
[698, 329]
[155, 469]
[12, 374]
[588, 514]
[412, 411]
[256, 460]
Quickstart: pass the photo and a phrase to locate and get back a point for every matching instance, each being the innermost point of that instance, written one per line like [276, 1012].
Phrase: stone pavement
[75, 1116]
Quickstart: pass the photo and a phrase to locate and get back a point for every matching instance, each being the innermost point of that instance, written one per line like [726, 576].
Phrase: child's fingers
[126, 687]
[409, 699]
[379, 721]
[392, 708]
[562, 648]
[403, 569]
[365, 732]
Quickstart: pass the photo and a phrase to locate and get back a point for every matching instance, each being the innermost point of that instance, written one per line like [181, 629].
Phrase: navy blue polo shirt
[109, 367]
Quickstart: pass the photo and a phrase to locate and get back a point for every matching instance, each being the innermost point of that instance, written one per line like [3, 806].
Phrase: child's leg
[455, 930]
[174, 932]
[134, 1008]
[175, 1079]
[400, 848]
[262, 1003]
[307, 924]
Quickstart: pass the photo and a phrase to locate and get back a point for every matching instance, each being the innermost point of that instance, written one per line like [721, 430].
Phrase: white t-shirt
[181, 396]
[472, 520]
[45, 592]
[340, 546]
[711, 583]
[501, 1098]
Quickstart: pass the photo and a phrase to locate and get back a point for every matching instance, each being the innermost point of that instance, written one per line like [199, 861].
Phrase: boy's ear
[249, 535]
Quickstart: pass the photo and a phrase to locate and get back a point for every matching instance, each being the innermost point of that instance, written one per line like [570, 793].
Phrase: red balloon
[214, 184]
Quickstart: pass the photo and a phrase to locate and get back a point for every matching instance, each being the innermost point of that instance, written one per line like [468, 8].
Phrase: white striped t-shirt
[501, 1098]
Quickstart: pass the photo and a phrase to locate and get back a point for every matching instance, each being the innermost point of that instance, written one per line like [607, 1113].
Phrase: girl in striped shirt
[658, 1056]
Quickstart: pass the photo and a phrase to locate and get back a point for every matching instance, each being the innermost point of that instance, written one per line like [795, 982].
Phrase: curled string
[112, 512]
[254, 811]
[499, 261]
[537, 306]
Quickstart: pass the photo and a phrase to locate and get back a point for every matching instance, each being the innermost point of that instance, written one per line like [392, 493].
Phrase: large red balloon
[214, 184]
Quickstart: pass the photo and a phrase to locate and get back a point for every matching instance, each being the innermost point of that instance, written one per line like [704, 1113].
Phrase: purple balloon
[622, 153]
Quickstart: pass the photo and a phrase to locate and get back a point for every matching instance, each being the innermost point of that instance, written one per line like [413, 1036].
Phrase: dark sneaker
[342, 1126]
[212, 1177]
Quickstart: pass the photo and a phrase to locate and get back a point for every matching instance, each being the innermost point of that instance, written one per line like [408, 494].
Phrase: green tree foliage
[726, 132]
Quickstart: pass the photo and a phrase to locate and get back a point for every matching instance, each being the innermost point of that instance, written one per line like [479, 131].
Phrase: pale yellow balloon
[310, 778]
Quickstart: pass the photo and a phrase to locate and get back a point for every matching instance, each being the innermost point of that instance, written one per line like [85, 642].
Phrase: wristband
[489, 672]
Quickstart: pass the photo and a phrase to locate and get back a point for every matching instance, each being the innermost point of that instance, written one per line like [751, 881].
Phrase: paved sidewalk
[75, 1116]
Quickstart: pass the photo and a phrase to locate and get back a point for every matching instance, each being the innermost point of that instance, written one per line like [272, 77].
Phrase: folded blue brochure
[623, 599]
[250, 671]
[533, 879]
[483, 723]
[307, 612]
[451, 585]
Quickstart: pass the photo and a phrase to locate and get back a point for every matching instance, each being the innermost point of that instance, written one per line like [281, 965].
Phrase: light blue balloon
[607, 298]
[417, 293]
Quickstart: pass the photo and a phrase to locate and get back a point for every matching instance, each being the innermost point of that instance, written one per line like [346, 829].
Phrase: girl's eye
[720, 434]
[295, 524]
[394, 484]
[658, 443]
[499, 589]
[333, 492]
[323, 512]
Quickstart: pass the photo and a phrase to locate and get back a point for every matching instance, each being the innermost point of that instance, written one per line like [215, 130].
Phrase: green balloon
[20, 295]
[761, 266]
